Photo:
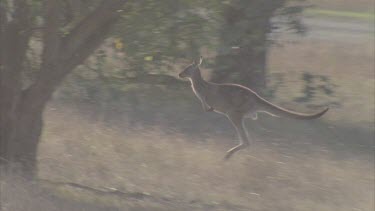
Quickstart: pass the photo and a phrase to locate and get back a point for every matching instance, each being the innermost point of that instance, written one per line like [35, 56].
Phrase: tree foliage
[154, 37]
[42, 41]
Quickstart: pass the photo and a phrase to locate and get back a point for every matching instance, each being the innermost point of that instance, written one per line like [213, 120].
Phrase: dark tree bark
[21, 109]
[13, 45]
[242, 58]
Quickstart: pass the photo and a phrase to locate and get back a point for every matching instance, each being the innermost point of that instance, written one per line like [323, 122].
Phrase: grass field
[290, 166]
[348, 67]
[358, 6]
[340, 14]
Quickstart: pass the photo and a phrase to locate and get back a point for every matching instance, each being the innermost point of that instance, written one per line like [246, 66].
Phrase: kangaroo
[236, 102]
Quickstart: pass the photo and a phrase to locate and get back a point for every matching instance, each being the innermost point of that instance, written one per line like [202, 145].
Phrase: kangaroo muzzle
[182, 75]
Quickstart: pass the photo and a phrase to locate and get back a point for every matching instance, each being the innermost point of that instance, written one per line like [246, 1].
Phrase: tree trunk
[14, 38]
[20, 141]
[21, 109]
[242, 56]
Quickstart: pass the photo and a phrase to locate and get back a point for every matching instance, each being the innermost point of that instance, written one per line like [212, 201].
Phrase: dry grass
[345, 5]
[275, 174]
[347, 63]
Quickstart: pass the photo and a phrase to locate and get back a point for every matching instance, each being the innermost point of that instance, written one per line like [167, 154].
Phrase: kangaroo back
[282, 112]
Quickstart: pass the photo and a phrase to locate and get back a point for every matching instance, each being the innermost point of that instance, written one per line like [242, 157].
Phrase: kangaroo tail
[268, 107]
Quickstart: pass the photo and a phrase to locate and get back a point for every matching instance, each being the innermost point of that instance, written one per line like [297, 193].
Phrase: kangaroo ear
[199, 62]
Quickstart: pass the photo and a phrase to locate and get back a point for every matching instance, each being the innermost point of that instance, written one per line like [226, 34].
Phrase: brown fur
[236, 102]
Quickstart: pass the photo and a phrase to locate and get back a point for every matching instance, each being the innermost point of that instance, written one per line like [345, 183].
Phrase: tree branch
[51, 35]
[101, 191]
[14, 40]
[150, 79]
[105, 13]
[89, 46]
[155, 79]
[79, 44]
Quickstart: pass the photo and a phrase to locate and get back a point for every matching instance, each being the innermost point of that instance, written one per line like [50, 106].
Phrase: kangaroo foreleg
[205, 106]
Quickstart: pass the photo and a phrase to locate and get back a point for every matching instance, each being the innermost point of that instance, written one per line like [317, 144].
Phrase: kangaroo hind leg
[238, 123]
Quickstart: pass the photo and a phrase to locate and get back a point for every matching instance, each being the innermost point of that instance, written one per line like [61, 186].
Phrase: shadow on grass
[343, 139]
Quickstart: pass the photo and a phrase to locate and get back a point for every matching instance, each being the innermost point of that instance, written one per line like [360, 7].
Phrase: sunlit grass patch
[344, 14]
[190, 173]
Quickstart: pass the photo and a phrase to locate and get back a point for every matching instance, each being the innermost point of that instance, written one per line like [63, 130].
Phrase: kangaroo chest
[199, 89]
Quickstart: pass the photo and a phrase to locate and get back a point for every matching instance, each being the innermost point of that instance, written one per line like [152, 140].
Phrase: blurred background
[115, 129]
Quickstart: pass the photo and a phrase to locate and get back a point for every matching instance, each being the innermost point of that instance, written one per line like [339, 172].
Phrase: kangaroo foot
[233, 150]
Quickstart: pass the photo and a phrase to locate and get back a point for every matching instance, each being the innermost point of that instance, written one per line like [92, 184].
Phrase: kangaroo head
[190, 70]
